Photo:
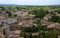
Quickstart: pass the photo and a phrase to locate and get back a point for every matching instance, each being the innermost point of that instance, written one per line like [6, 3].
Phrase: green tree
[14, 15]
[24, 35]
[54, 19]
[30, 35]
[27, 29]
[0, 11]
[40, 13]
[1, 25]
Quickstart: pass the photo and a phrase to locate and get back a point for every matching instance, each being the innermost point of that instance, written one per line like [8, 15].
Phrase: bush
[14, 15]
[26, 29]
[1, 25]
[40, 13]
[54, 19]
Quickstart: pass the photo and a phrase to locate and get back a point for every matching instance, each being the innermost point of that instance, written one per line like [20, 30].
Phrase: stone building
[25, 19]
[58, 36]
[4, 30]
[10, 22]
[14, 34]
[54, 27]
[30, 35]
[1, 35]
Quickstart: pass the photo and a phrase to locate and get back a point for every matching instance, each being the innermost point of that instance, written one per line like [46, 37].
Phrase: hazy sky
[30, 2]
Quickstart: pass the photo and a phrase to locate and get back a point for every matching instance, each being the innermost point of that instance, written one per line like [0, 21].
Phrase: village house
[10, 22]
[14, 34]
[1, 35]
[54, 27]
[3, 16]
[4, 30]
[25, 19]
[58, 36]
[29, 35]
[47, 17]
[9, 34]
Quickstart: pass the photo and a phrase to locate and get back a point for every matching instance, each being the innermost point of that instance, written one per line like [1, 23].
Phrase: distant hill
[27, 5]
[7, 4]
